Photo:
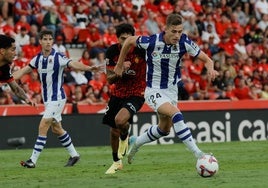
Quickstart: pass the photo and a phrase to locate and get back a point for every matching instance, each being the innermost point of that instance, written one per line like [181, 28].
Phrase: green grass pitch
[242, 164]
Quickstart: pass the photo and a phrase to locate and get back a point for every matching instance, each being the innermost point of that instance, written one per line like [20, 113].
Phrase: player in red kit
[127, 96]
[7, 54]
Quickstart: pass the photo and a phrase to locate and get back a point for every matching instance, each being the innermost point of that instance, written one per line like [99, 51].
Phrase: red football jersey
[129, 85]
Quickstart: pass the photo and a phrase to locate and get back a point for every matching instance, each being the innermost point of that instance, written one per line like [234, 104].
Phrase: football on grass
[207, 166]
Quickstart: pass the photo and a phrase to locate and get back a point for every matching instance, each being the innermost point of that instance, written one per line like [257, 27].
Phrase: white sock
[38, 147]
[66, 141]
[152, 134]
[185, 135]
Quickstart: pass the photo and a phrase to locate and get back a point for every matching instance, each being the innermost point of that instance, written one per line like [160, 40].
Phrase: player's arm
[128, 44]
[20, 93]
[19, 73]
[83, 67]
[17, 89]
[111, 76]
[212, 74]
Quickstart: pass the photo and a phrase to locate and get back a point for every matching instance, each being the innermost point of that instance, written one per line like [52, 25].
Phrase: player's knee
[45, 124]
[57, 129]
[165, 127]
[120, 122]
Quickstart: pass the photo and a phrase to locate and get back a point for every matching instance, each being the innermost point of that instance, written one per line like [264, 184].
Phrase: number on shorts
[155, 96]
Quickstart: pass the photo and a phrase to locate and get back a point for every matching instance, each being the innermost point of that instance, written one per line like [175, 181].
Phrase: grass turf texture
[242, 164]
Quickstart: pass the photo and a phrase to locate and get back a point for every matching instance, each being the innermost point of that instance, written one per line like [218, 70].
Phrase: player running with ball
[164, 52]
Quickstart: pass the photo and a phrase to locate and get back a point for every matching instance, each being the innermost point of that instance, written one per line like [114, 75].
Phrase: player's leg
[122, 124]
[123, 118]
[184, 134]
[181, 129]
[66, 142]
[154, 98]
[56, 108]
[114, 137]
[153, 133]
[39, 143]
[160, 103]
[112, 109]
[130, 106]
[117, 163]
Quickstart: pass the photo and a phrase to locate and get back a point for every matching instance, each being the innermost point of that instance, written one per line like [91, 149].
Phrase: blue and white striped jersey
[163, 60]
[50, 71]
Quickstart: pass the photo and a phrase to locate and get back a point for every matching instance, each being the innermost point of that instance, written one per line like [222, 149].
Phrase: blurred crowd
[233, 33]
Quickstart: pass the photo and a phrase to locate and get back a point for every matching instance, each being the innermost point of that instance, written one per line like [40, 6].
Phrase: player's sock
[38, 147]
[115, 156]
[123, 136]
[66, 141]
[152, 134]
[184, 133]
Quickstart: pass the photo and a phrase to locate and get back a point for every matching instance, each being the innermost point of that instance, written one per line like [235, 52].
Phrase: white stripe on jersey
[50, 71]
[163, 61]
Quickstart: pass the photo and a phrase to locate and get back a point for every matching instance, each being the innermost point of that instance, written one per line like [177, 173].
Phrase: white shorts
[155, 97]
[53, 109]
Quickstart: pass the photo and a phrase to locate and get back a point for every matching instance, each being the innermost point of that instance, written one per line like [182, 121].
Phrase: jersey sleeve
[63, 59]
[143, 42]
[33, 63]
[191, 47]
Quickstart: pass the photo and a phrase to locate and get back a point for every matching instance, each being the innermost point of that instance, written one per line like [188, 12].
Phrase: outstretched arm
[83, 67]
[25, 70]
[129, 42]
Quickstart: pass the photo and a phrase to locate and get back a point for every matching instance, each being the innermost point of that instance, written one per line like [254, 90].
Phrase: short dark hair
[174, 19]
[46, 32]
[124, 28]
[5, 41]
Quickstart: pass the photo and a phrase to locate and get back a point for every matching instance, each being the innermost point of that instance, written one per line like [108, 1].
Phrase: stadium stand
[233, 33]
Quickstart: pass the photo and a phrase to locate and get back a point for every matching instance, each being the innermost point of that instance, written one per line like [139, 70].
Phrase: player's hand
[30, 102]
[126, 65]
[118, 71]
[111, 76]
[129, 74]
[98, 68]
[212, 74]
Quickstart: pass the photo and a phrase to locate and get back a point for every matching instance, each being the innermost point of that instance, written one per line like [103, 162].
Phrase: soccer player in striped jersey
[50, 66]
[164, 52]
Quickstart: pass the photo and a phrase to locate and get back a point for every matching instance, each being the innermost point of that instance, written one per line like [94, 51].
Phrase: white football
[207, 166]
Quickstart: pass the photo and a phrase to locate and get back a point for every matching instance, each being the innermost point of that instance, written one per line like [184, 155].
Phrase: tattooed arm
[20, 92]
[17, 89]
